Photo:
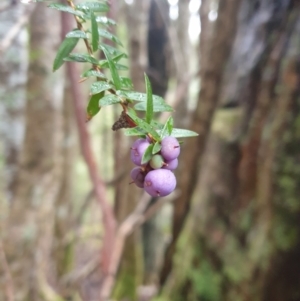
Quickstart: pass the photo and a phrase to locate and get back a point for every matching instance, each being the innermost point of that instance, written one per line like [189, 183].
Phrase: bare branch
[99, 187]
[140, 215]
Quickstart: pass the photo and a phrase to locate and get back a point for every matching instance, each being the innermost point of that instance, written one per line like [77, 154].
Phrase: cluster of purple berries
[156, 175]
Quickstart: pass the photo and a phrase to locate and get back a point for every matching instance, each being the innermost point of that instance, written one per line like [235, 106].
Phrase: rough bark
[242, 241]
[216, 52]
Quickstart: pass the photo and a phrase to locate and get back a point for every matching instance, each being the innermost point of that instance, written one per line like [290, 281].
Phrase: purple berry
[137, 176]
[171, 165]
[137, 151]
[157, 161]
[170, 148]
[159, 182]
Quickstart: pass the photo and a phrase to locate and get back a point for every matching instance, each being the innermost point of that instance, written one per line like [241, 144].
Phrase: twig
[80, 274]
[89, 196]
[140, 215]
[9, 287]
[109, 222]
[13, 32]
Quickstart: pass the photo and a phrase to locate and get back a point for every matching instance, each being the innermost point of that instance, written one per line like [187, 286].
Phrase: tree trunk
[215, 48]
[158, 72]
[31, 217]
[240, 241]
[13, 76]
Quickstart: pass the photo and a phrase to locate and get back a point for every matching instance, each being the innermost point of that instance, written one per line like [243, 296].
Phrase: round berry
[137, 151]
[159, 182]
[137, 176]
[157, 161]
[171, 165]
[170, 148]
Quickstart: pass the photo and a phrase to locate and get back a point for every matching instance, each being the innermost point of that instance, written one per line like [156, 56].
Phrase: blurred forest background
[231, 229]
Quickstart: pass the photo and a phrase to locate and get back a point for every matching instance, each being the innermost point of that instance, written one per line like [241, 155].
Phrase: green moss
[285, 235]
[206, 282]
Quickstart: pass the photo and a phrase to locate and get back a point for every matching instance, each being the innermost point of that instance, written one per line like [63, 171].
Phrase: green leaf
[147, 154]
[104, 64]
[67, 9]
[157, 124]
[93, 105]
[156, 148]
[95, 33]
[93, 72]
[76, 34]
[111, 50]
[107, 35]
[181, 133]
[100, 86]
[105, 21]
[93, 6]
[145, 126]
[108, 100]
[81, 58]
[157, 107]
[126, 83]
[149, 108]
[64, 50]
[142, 97]
[113, 70]
[168, 127]
[137, 131]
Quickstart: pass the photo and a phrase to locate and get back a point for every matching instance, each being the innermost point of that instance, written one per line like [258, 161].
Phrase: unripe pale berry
[170, 148]
[138, 150]
[137, 176]
[159, 182]
[157, 161]
[171, 165]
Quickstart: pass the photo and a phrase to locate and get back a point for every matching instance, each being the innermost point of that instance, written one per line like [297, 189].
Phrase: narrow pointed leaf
[98, 87]
[181, 133]
[95, 33]
[145, 126]
[93, 6]
[67, 9]
[108, 100]
[93, 106]
[105, 21]
[126, 83]
[64, 50]
[81, 58]
[141, 97]
[157, 125]
[168, 127]
[157, 107]
[111, 50]
[113, 70]
[76, 34]
[156, 148]
[149, 108]
[137, 131]
[93, 72]
[147, 154]
[107, 35]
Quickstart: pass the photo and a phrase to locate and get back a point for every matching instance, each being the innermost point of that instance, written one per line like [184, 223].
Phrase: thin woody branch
[109, 222]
